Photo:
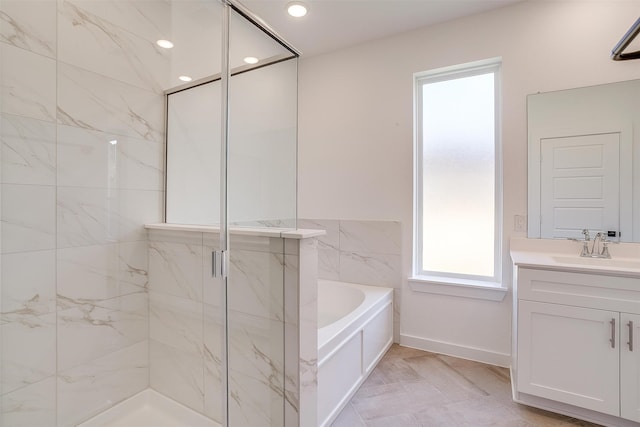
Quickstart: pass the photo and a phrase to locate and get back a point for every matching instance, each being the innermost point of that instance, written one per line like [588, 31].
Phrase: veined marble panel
[87, 216]
[28, 217]
[176, 322]
[256, 283]
[28, 150]
[328, 246]
[29, 25]
[256, 243]
[308, 332]
[331, 226]
[141, 164]
[379, 237]
[28, 284]
[88, 389]
[90, 274]
[371, 269]
[33, 405]
[134, 263]
[176, 236]
[256, 358]
[101, 160]
[28, 349]
[291, 375]
[27, 84]
[136, 208]
[88, 331]
[110, 50]
[292, 334]
[95, 102]
[291, 290]
[151, 20]
[178, 374]
[213, 362]
[87, 158]
[328, 263]
[176, 269]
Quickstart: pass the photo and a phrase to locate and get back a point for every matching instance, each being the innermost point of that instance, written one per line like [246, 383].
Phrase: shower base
[149, 409]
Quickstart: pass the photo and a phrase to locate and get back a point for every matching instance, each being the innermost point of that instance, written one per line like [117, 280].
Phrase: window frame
[444, 279]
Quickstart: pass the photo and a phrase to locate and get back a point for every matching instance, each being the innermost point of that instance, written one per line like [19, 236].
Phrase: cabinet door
[565, 354]
[630, 366]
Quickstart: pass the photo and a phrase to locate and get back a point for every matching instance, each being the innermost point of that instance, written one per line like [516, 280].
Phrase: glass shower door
[261, 196]
[95, 309]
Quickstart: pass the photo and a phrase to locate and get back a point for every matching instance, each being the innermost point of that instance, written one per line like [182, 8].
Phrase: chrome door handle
[219, 264]
[214, 264]
[630, 343]
[612, 340]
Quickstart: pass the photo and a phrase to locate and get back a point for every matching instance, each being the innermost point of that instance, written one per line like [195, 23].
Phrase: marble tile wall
[81, 156]
[186, 322]
[361, 251]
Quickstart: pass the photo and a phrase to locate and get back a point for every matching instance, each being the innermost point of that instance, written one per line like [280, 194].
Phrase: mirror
[584, 146]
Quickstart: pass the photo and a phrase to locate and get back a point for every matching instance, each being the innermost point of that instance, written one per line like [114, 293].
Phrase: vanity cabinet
[630, 368]
[574, 341]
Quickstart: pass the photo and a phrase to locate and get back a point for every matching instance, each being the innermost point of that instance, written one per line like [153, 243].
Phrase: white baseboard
[456, 350]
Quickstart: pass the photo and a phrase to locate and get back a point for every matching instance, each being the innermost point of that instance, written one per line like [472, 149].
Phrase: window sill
[458, 287]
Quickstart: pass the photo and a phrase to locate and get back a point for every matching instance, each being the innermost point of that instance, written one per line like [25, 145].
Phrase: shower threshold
[149, 409]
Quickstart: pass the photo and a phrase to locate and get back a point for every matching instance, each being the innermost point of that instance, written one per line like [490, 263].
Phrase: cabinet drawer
[577, 289]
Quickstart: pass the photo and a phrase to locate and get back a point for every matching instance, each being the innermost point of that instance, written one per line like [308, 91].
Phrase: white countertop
[565, 255]
[284, 233]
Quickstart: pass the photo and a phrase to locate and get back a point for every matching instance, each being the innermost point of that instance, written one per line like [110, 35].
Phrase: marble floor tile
[349, 418]
[414, 388]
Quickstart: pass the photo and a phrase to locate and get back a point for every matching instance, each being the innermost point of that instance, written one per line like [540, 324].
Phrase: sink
[598, 262]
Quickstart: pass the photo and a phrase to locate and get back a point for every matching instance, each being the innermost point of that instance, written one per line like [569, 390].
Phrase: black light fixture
[617, 54]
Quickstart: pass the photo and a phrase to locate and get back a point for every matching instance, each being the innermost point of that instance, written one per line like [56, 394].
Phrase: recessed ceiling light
[113, 142]
[185, 78]
[251, 60]
[296, 9]
[165, 44]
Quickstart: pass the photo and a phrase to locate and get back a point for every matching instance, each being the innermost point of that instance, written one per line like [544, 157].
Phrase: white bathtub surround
[74, 307]
[272, 323]
[355, 331]
[361, 251]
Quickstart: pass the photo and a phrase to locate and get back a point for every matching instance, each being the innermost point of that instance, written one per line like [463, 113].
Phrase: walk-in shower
[103, 131]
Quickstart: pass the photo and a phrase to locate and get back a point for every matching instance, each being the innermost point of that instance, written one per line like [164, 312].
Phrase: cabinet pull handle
[630, 325]
[612, 340]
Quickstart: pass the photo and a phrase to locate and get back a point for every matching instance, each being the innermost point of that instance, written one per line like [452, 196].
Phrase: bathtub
[355, 329]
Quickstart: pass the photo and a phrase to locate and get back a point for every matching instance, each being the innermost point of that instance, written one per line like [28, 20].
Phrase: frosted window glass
[458, 173]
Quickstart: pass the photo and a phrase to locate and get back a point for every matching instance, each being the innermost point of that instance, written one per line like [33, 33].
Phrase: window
[457, 229]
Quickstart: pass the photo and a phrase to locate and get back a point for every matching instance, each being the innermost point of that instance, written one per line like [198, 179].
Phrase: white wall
[356, 126]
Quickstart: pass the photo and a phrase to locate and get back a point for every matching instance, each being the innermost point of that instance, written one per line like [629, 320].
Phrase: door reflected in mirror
[583, 149]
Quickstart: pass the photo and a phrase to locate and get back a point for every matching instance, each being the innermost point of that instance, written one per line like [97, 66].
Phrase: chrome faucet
[595, 251]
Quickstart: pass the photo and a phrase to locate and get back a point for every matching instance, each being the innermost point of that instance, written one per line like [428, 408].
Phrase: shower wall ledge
[284, 233]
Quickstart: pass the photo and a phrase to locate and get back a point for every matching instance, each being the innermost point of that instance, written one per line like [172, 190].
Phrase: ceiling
[335, 24]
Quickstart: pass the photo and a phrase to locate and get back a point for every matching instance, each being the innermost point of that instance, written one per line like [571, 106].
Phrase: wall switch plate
[520, 223]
